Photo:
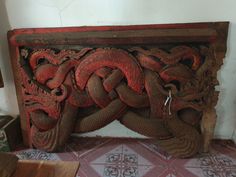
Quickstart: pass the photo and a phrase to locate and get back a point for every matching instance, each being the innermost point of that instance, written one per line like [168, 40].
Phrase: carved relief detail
[156, 92]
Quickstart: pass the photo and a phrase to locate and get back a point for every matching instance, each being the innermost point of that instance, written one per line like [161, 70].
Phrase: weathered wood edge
[217, 53]
[115, 35]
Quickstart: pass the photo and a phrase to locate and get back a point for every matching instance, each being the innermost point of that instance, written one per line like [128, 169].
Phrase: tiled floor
[106, 157]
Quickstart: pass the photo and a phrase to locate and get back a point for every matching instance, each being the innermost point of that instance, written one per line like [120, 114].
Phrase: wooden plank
[29, 168]
[116, 35]
[8, 163]
[153, 36]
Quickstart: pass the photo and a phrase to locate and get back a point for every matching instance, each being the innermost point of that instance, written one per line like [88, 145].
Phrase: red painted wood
[82, 78]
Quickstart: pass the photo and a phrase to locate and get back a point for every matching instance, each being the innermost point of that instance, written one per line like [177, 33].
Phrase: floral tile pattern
[114, 157]
[214, 164]
[121, 161]
[34, 154]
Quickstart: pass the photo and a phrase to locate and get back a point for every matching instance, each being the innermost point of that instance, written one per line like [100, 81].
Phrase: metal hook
[169, 100]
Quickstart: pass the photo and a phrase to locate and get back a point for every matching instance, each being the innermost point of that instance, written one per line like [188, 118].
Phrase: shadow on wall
[8, 103]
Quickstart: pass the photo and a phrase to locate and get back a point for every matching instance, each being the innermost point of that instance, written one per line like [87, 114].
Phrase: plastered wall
[58, 13]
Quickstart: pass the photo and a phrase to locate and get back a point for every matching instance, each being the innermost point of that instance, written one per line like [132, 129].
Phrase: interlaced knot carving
[79, 91]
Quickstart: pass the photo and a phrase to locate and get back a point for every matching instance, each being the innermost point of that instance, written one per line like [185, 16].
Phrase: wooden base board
[10, 166]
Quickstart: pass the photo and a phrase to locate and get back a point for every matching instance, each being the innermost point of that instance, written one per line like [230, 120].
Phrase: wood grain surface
[29, 168]
[8, 163]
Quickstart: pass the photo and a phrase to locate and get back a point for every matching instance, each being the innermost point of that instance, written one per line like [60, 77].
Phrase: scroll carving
[83, 90]
[158, 80]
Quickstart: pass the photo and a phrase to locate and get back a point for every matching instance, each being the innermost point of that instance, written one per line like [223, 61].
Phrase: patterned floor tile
[34, 154]
[214, 164]
[121, 161]
[153, 146]
[77, 147]
[117, 157]
[122, 158]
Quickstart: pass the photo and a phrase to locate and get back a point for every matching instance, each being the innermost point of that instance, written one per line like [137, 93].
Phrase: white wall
[57, 13]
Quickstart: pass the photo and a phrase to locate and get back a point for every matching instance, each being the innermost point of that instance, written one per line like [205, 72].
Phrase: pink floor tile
[114, 157]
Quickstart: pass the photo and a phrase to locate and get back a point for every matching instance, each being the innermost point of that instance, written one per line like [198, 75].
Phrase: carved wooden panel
[157, 80]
